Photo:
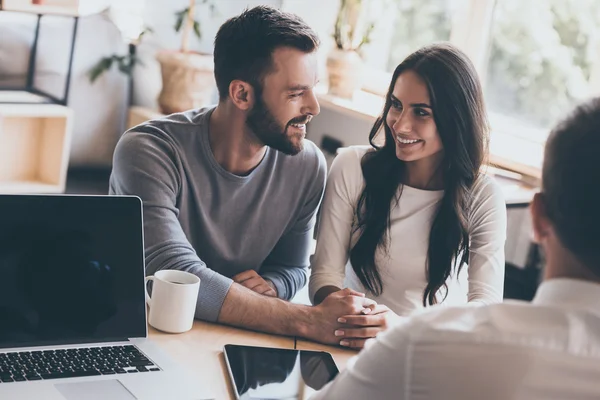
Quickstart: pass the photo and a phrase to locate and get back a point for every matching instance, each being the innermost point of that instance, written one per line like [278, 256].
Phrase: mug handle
[148, 278]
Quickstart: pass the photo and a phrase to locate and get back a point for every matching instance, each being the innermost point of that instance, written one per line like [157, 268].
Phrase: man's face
[288, 102]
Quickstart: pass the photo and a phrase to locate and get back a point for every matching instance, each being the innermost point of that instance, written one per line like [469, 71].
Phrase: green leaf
[101, 67]
[197, 29]
[144, 32]
[366, 39]
[181, 15]
[126, 64]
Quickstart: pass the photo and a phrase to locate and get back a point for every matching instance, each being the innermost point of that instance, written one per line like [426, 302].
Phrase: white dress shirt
[548, 349]
[404, 268]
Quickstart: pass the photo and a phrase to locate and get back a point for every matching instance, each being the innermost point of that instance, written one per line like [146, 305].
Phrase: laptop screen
[71, 270]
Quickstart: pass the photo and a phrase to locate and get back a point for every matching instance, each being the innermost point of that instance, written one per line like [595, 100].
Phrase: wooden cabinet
[35, 144]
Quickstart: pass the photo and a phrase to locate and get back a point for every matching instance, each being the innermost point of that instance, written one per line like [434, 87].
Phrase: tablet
[267, 373]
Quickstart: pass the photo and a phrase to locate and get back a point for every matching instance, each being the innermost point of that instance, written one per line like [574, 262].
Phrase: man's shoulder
[512, 323]
[312, 152]
[471, 320]
[310, 157]
[168, 135]
[174, 127]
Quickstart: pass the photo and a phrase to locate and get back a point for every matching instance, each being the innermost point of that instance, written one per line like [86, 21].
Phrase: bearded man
[230, 193]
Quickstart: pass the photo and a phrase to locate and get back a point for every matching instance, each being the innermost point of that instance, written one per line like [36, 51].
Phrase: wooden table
[340, 354]
[200, 351]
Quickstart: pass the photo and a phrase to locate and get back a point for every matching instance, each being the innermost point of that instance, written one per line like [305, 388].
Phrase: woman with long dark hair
[412, 212]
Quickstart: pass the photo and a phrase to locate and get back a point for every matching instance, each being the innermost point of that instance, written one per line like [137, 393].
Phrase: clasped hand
[355, 329]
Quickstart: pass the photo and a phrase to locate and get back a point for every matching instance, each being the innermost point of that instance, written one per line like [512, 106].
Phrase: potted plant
[124, 62]
[344, 63]
[132, 29]
[187, 76]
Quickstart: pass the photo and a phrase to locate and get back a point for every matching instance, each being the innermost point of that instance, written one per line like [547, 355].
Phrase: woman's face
[410, 119]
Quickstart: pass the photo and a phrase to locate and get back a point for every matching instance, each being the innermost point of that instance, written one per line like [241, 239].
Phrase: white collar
[571, 293]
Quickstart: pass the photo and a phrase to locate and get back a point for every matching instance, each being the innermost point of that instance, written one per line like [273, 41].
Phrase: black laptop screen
[71, 270]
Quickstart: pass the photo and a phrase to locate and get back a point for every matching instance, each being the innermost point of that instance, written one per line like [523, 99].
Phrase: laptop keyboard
[72, 363]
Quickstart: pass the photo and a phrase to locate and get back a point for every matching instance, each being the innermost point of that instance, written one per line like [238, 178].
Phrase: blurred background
[75, 74]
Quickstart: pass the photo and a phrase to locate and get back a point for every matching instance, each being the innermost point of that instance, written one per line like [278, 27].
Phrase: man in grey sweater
[231, 192]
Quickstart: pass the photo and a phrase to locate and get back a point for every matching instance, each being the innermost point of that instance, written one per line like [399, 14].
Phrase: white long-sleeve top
[403, 267]
[545, 350]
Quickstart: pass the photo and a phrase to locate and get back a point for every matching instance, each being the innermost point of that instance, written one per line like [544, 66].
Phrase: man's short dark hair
[244, 45]
[571, 182]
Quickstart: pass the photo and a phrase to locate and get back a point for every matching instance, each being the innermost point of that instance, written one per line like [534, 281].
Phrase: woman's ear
[241, 94]
[539, 217]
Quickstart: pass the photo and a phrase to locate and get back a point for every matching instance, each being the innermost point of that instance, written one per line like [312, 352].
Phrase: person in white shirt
[411, 213]
[547, 349]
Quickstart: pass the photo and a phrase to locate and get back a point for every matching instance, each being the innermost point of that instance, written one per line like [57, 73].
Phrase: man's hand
[358, 329]
[253, 281]
[343, 302]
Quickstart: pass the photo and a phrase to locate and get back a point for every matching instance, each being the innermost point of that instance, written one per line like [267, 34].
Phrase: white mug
[173, 301]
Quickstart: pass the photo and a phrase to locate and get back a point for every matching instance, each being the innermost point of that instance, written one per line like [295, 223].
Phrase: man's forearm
[287, 280]
[244, 308]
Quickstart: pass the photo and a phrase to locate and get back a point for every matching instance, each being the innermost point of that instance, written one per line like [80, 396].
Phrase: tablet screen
[266, 373]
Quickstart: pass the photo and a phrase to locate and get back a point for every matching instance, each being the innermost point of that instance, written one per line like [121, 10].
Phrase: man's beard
[269, 131]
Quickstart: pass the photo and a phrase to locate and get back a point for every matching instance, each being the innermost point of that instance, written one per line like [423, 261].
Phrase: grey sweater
[202, 219]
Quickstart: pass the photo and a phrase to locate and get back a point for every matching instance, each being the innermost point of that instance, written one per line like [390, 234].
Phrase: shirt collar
[570, 293]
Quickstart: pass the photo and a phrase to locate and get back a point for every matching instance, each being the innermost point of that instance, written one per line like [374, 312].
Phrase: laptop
[72, 303]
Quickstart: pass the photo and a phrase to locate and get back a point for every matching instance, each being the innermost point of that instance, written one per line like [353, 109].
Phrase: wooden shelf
[21, 96]
[73, 8]
[34, 147]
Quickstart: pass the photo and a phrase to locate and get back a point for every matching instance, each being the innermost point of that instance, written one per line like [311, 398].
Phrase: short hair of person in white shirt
[566, 213]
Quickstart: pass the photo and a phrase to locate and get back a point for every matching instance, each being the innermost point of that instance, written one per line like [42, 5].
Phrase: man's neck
[232, 145]
[560, 264]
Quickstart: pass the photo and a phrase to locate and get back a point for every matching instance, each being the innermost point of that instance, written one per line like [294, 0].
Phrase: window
[536, 59]
[543, 55]
[403, 26]
[543, 60]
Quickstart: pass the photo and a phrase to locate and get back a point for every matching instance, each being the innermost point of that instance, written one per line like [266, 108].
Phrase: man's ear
[241, 94]
[539, 217]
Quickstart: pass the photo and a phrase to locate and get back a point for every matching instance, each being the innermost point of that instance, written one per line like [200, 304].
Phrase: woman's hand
[326, 315]
[357, 329]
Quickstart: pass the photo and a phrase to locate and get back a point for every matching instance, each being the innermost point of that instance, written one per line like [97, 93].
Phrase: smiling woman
[409, 215]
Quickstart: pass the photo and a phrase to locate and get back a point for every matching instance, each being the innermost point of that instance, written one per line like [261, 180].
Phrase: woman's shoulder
[352, 154]
[346, 168]
[486, 186]
[486, 193]
[348, 160]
